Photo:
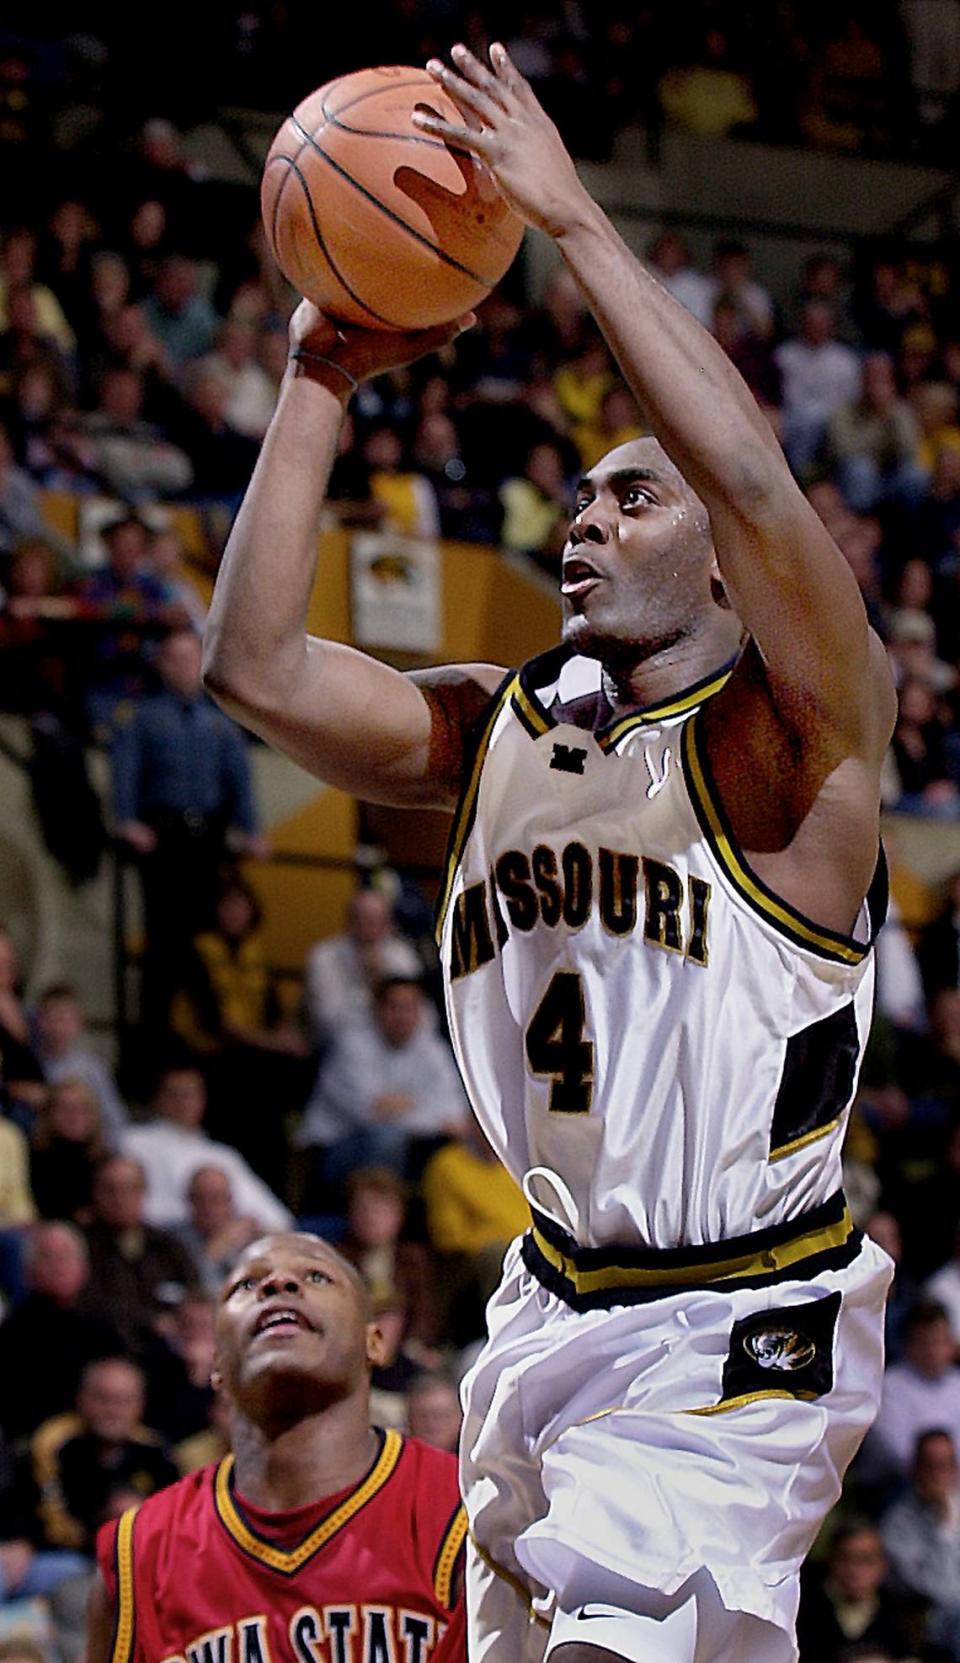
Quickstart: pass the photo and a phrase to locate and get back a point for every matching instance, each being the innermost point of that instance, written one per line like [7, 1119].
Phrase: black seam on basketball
[291, 162]
[333, 120]
[329, 257]
[418, 236]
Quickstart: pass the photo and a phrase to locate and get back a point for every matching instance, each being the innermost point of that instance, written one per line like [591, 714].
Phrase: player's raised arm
[352, 721]
[101, 1622]
[787, 580]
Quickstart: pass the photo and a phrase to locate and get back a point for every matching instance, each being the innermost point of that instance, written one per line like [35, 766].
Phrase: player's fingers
[478, 74]
[471, 101]
[471, 138]
[507, 74]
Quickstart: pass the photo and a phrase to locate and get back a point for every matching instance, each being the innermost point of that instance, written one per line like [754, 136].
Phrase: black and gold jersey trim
[840, 949]
[451, 1546]
[594, 1278]
[538, 718]
[124, 1631]
[289, 1560]
[475, 750]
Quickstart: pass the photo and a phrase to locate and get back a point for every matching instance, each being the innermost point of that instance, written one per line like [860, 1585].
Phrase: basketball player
[319, 1537]
[656, 926]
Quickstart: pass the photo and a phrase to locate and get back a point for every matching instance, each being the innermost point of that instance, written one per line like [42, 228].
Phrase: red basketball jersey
[367, 1576]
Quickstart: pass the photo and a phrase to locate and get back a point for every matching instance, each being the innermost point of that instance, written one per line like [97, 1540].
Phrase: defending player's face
[638, 560]
[293, 1323]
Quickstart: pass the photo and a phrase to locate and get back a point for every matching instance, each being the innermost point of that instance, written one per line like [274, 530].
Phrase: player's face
[638, 560]
[292, 1328]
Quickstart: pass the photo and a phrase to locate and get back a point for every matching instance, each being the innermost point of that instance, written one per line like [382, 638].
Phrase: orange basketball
[376, 222]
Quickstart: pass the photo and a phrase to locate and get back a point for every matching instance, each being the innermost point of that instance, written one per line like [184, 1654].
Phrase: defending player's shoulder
[435, 1514]
[168, 1510]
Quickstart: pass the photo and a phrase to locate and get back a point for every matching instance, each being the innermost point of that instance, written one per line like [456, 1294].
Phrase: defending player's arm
[354, 722]
[787, 580]
[101, 1621]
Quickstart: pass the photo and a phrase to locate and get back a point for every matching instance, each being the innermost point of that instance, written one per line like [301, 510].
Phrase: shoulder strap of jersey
[124, 1632]
[445, 1580]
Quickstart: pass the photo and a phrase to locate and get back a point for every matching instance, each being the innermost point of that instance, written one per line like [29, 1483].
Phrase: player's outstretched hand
[364, 353]
[512, 134]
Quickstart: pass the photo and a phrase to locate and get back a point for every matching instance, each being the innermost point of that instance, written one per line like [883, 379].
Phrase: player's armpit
[101, 1619]
[824, 669]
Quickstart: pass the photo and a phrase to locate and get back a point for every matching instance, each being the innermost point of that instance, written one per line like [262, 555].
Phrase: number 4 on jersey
[556, 1047]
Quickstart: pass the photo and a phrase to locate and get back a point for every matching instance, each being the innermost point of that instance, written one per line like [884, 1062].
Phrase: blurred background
[219, 996]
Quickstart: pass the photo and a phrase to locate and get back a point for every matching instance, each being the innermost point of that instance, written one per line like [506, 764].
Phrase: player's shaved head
[266, 1248]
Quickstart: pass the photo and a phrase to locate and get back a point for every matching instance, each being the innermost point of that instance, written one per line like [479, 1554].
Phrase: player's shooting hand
[365, 353]
[511, 133]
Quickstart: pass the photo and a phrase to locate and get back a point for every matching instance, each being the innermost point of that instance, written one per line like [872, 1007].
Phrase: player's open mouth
[282, 1319]
[578, 576]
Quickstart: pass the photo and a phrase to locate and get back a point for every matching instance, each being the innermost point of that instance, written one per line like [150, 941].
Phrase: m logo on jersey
[563, 889]
[568, 759]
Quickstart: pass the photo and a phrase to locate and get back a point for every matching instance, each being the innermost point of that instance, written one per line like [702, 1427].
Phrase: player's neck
[304, 1461]
[636, 684]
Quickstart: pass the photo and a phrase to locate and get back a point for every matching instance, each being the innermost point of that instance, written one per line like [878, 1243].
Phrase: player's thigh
[691, 1626]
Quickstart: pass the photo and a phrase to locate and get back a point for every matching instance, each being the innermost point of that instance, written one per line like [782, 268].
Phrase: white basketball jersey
[631, 1008]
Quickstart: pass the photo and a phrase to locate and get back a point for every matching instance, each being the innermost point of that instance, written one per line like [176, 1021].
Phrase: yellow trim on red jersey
[289, 1560]
[122, 1650]
[453, 1540]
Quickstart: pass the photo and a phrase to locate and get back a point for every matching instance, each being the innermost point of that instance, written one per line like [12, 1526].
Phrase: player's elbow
[229, 676]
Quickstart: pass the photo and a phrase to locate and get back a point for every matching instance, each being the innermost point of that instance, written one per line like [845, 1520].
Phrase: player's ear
[376, 1345]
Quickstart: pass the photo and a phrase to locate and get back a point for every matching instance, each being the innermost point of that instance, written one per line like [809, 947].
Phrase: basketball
[376, 222]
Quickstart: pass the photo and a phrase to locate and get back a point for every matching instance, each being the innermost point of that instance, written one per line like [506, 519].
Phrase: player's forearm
[255, 643]
[698, 405]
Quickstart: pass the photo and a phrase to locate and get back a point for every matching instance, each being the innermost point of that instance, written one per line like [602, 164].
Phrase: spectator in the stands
[847, 1607]
[925, 763]
[883, 1227]
[536, 505]
[166, 559]
[20, 513]
[341, 972]
[921, 1531]
[215, 1232]
[750, 353]
[136, 459]
[820, 375]
[225, 1008]
[912, 645]
[709, 92]
[79, 1463]
[920, 1392]
[22, 1073]
[222, 457]
[18, 1205]
[939, 949]
[181, 786]
[67, 1146]
[467, 508]
[433, 1410]
[406, 496]
[669, 260]
[944, 1288]
[47, 1340]
[64, 1053]
[872, 442]
[179, 1394]
[474, 1209]
[398, 1274]
[733, 280]
[137, 1272]
[251, 395]
[130, 605]
[18, 256]
[172, 1145]
[181, 318]
[387, 1093]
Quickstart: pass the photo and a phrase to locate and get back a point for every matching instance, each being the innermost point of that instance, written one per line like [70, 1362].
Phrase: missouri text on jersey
[562, 887]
